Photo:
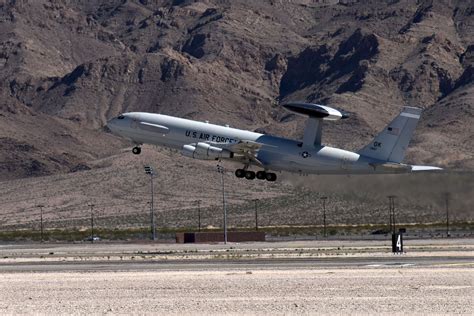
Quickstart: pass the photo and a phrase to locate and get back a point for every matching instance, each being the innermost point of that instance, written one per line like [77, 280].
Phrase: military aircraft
[202, 140]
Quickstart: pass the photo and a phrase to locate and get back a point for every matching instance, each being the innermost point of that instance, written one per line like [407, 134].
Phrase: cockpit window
[121, 117]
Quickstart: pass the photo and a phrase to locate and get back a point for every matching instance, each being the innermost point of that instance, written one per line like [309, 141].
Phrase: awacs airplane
[201, 140]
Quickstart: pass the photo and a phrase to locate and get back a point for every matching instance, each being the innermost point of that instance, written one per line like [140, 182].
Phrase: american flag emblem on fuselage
[393, 130]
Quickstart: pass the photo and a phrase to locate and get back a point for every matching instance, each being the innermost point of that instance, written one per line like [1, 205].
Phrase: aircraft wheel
[136, 150]
[249, 175]
[271, 176]
[261, 175]
[240, 173]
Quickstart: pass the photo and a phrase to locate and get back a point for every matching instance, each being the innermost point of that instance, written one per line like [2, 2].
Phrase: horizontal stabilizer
[425, 168]
[390, 166]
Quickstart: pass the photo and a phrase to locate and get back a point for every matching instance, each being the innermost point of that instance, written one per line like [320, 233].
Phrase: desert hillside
[66, 67]
[69, 66]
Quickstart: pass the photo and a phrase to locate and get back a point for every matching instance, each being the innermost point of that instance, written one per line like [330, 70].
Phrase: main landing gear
[136, 150]
[250, 175]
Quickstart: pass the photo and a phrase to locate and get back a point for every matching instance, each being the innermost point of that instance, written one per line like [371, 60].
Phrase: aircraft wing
[244, 146]
[248, 149]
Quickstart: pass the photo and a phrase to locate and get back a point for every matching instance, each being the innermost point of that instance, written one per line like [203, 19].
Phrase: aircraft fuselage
[277, 154]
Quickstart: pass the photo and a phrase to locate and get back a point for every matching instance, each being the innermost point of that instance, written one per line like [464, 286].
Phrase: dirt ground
[264, 291]
[297, 277]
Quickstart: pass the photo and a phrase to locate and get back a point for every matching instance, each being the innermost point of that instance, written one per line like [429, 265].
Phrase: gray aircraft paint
[391, 143]
[276, 153]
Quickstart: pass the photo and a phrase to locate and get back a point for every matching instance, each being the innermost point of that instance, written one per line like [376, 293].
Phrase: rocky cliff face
[69, 66]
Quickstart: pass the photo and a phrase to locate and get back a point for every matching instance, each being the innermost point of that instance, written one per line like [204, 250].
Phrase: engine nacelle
[190, 151]
[205, 151]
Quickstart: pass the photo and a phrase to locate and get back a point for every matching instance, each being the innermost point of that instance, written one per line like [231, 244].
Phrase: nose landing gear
[136, 150]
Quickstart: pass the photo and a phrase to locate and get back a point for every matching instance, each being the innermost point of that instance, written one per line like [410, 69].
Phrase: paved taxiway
[434, 276]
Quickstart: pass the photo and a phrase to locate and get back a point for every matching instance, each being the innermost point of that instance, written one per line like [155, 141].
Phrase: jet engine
[205, 151]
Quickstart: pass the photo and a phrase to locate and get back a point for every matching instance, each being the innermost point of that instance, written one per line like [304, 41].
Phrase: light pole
[256, 215]
[391, 210]
[92, 223]
[149, 170]
[41, 220]
[447, 196]
[199, 215]
[221, 170]
[324, 198]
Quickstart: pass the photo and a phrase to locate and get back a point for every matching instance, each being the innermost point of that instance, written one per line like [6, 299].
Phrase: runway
[236, 264]
[303, 277]
[195, 257]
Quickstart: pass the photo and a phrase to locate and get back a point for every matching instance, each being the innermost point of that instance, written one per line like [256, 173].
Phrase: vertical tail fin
[391, 143]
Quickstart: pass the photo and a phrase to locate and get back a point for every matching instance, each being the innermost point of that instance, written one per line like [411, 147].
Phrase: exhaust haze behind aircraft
[201, 140]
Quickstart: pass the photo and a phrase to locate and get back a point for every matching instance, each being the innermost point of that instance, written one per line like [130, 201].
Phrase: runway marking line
[453, 264]
[391, 265]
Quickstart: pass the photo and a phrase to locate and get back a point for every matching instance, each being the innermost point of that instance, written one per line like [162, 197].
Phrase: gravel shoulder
[267, 291]
[434, 277]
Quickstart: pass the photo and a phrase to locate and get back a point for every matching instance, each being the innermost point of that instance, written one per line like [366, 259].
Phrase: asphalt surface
[254, 264]
[218, 257]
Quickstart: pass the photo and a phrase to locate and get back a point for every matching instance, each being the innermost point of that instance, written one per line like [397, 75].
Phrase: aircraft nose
[112, 125]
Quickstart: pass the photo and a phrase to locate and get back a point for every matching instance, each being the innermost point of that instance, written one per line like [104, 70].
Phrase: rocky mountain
[66, 67]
